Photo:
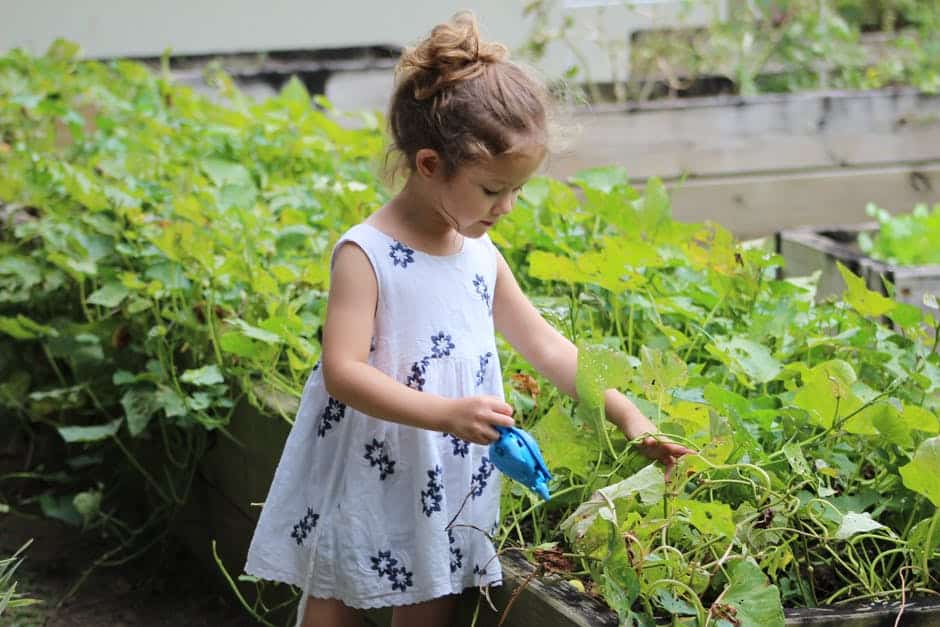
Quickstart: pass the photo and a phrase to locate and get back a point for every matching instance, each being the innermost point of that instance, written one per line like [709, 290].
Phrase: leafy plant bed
[808, 249]
[169, 264]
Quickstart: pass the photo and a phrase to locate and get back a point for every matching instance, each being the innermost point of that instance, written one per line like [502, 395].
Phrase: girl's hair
[463, 98]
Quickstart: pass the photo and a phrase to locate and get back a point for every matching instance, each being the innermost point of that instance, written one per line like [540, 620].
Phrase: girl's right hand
[473, 418]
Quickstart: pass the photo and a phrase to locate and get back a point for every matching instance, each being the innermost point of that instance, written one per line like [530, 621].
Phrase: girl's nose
[504, 205]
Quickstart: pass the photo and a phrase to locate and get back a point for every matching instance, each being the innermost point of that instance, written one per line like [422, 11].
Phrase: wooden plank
[734, 135]
[808, 249]
[244, 473]
[755, 206]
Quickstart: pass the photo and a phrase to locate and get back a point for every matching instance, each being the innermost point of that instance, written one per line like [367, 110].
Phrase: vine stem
[927, 550]
[141, 469]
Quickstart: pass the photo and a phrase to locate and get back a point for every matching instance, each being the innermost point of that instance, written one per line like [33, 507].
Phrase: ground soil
[165, 587]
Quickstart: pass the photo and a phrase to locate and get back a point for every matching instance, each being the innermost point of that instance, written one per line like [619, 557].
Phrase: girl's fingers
[503, 420]
[490, 435]
[503, 408]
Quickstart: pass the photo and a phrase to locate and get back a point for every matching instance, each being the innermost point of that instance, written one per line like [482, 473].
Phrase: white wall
[107, 28]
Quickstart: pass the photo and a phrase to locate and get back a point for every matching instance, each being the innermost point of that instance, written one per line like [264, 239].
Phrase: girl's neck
[412, 216]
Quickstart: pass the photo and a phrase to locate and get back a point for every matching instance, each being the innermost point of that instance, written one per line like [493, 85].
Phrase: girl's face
[481, 193]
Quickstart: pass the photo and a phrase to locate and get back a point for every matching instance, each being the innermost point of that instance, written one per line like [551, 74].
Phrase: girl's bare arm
[347, 334]
[551, 353]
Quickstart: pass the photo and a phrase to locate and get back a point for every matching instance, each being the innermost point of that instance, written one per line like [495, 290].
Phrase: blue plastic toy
[516, 454]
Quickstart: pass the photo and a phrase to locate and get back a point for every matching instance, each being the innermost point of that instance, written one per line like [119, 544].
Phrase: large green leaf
[647, 484]
[710, 518]
[563, 444]
[599, 369]
[920, 475]
[748, 600]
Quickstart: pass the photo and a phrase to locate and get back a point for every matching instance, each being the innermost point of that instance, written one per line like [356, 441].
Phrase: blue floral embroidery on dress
[401, 579]
[304, 526]
[477, 570]
[483, 290]
[401, 255]
[479, 480]
[461, 447]
[432, 497]
[442, 345]
[456, 556]
[416, 379]
[377, 454]
[481, 373]
[332, 413]
[384, 564]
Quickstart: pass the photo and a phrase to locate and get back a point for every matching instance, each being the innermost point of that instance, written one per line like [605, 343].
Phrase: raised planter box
[232, 477]
[808, 249]
[764, 163]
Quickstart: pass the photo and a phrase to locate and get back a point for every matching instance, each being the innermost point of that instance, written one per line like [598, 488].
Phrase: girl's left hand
[660, 449]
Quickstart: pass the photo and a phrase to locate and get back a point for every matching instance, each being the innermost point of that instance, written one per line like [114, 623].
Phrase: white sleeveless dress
[359, 506]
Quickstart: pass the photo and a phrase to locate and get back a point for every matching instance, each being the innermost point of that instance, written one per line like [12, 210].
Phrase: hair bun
[453, 52]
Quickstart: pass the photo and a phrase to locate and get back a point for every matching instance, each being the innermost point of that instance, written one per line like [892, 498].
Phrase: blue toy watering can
[516, 454]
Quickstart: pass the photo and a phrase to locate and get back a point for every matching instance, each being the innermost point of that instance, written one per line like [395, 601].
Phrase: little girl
[389, 443]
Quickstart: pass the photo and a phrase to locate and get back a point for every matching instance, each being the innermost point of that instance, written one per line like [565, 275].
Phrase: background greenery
[756, 46]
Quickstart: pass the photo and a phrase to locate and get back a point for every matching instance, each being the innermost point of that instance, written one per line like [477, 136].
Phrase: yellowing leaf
[862, 299]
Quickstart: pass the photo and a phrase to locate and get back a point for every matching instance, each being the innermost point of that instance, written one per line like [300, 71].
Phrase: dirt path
[163, 588]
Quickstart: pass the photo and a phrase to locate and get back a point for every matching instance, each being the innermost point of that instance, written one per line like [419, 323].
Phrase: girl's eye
[490, 192]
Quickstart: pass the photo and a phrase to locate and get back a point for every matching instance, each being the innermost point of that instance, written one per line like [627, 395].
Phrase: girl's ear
[427, 162]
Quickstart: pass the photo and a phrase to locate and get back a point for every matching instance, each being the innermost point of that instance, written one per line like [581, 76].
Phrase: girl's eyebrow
[502, 183]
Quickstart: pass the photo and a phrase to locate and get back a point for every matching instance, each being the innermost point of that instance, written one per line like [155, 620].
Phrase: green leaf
[855, 522]
[22, 328]
[139, 405]
[827, 390]
[619, 582]
[647, 484]
[167, 399]
[207, 375]
[794, 455]
[110, 295]
[862, 299]
[548, 267]
[710, 518]
[603, 179]
[90, 434]
[920, 475]
[256, 333]
[599, 369]
[747, 358]
[60, 507]
[223, 172]
[661, 372]
[563, 444]
[749, 599]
